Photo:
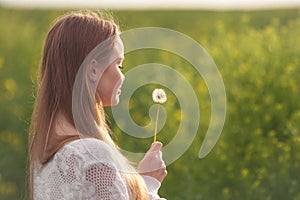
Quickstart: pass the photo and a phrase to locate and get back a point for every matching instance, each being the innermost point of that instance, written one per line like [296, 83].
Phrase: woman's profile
[71, 151]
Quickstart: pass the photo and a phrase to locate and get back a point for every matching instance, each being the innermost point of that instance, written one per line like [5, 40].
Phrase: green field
[258, 55]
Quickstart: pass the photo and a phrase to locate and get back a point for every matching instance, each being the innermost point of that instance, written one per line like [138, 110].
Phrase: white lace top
[85, 169]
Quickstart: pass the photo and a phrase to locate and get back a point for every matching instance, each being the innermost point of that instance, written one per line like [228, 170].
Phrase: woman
[71, 153]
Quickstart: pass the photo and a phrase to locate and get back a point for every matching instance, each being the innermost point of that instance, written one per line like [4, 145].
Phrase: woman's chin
[114, 102]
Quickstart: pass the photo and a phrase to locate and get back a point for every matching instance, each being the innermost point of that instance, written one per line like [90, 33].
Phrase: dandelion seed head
[159, 96]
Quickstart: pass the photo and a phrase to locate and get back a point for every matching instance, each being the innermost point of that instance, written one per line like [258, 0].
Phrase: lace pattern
[85, 169]
[74, 173]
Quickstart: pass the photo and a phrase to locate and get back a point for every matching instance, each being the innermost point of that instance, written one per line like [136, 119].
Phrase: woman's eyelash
[121, 67]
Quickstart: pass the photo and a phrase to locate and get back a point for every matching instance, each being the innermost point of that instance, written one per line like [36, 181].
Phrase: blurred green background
[257, 53]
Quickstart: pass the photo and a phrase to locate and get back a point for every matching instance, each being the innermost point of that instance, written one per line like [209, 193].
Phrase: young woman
[71, 152]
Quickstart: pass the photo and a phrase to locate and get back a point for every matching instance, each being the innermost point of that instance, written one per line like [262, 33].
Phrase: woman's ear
[93, 70]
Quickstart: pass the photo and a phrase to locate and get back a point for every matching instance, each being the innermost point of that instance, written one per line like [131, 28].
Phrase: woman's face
[109, 86]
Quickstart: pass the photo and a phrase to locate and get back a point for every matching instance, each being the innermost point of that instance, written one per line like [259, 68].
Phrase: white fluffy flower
[159, 96]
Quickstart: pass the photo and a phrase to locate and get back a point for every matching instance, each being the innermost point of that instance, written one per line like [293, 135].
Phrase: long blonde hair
[68, 42]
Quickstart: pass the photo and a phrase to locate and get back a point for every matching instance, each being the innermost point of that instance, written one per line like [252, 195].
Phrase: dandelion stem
[156, 121]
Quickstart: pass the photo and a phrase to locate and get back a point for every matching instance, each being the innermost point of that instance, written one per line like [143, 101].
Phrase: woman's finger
[156, 146]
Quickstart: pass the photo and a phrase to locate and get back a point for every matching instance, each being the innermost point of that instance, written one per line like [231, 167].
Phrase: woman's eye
[121, 67]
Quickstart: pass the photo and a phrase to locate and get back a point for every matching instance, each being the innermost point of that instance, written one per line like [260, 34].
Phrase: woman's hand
[152, 164]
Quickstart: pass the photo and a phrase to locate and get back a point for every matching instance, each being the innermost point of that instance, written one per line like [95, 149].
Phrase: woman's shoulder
[88, 149]
[89, 143]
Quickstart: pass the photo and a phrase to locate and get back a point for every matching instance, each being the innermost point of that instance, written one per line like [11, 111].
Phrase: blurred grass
[257, 53]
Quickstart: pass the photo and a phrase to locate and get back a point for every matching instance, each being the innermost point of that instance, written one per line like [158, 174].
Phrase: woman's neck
[63, 127]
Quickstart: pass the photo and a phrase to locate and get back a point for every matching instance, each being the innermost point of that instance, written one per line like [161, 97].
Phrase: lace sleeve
[100, 171]
[106, 181]
[152, 186]
[106, 178]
